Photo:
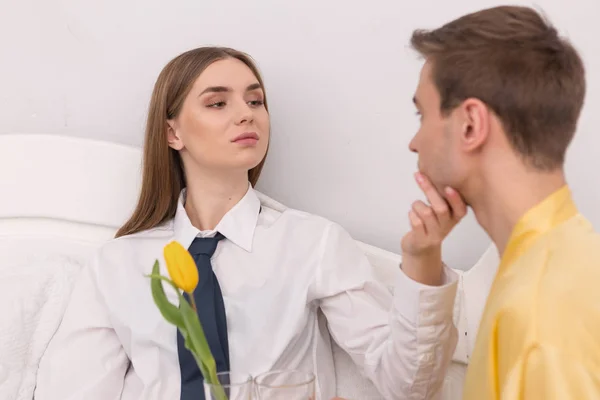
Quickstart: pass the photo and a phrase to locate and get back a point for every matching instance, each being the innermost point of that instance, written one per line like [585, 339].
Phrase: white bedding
[34, 293]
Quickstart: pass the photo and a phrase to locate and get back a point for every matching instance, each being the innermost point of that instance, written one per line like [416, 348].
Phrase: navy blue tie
[211, 312]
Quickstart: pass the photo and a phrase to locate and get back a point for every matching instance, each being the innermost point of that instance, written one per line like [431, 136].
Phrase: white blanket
[33, 293]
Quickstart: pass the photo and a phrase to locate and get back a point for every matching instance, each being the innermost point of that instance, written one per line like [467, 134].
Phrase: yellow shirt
[539, 336]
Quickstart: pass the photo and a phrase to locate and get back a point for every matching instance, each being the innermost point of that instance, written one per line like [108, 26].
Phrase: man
[499, 98]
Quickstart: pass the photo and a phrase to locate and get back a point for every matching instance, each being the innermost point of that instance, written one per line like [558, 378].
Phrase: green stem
[193, 301]
[210, 369]
[216, 386]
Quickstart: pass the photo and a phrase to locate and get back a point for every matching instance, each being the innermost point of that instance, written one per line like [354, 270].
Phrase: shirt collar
[546, 215]
[238, 225]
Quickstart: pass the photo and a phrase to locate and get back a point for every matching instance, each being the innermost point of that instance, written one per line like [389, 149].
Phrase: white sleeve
[84, 360]
[403, 343]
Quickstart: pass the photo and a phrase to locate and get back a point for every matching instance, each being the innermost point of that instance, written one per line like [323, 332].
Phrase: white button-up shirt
[277, 269]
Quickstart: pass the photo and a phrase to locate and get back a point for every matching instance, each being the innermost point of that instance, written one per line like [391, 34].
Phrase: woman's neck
[211, 195]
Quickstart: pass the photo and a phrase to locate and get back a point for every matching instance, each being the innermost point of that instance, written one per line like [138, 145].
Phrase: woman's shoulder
[277, 212]
[144, 241]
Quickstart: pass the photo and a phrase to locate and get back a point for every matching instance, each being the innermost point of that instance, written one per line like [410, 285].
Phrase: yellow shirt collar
[549, 213]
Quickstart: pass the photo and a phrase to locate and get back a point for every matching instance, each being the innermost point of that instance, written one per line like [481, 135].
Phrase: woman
[206, 140]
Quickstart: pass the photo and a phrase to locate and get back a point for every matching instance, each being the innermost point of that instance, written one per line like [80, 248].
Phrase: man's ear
[475, 124]
[173, 137]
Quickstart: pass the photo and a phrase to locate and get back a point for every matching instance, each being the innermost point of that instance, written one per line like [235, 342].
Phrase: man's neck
[503, 199]
[211, 195]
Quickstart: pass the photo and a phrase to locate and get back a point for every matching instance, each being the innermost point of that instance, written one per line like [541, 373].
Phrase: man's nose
[412, 145]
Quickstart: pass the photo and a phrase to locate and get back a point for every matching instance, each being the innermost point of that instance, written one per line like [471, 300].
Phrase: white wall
[339, 77]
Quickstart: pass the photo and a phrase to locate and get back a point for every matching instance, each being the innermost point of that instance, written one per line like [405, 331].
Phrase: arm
[84, 359]
[473, 289]
[546, 373]
[404, 350]
[404, 343]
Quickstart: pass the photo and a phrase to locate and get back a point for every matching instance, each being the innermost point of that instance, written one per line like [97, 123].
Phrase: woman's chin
[249, 160]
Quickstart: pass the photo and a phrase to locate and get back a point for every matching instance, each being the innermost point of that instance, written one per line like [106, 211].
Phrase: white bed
[61, 197]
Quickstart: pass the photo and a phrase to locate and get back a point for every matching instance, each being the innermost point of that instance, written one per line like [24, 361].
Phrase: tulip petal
[181, 266]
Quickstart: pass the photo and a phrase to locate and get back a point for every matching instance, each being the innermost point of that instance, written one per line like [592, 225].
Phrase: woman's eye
[256, 103]
[218, 104]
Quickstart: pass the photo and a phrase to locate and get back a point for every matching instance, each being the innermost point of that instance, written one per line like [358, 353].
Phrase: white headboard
[63, 194]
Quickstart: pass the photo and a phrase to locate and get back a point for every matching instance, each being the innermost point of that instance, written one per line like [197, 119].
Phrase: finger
[418, 227]
[457, 204]
[425, 214]
[437, 201]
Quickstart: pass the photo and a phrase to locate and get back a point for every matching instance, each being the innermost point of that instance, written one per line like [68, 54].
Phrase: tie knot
[205, 246]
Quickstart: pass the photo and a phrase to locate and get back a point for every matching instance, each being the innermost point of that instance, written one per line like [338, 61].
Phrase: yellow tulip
[181, 266]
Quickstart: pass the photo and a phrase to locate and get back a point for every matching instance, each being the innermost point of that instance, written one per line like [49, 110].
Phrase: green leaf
[196, 333]
[190, 347]
[162, 278]
[169, 311]
[199, 347]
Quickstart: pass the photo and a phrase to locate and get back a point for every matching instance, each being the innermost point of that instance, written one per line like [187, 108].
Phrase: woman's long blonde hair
[163, 175]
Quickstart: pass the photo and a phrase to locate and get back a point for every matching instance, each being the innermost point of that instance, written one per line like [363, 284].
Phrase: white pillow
[34, 293]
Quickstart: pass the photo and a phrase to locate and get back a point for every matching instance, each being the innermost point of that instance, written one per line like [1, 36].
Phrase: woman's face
[223, 125]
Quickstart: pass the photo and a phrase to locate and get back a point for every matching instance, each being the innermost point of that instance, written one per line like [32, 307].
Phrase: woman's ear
[173, 137]
[476, 124]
